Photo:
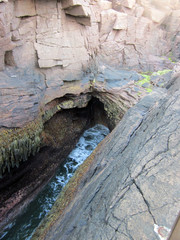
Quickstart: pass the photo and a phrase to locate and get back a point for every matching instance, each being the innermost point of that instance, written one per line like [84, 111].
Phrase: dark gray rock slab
[161, 80]
[116, 77]
[133, 186]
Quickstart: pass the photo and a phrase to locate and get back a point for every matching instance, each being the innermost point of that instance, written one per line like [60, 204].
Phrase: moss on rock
[18, 144]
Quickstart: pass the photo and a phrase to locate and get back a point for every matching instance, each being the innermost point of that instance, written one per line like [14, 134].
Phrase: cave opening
[59, 137]
[66, 126]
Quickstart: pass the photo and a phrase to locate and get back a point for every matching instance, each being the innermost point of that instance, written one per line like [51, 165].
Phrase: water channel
[25, 224]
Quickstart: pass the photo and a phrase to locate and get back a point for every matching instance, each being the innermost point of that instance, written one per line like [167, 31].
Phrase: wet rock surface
[22, 184]
[51, 49]
[132, 186]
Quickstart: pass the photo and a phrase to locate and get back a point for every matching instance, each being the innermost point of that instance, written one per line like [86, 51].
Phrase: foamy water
[24, 225]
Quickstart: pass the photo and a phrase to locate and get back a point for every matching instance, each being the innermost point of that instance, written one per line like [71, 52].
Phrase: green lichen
[139, 93]
[146, 79]
[170, 59]
[58, 107]
[162, 72]
[67, 104]
[48, 114]
[149, 90]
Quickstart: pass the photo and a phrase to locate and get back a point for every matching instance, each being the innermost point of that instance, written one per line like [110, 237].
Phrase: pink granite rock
[60, 39]
[24, 8]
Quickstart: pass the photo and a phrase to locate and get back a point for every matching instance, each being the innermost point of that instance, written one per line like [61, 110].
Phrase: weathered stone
[108, 19]
[26, 51]
[20, 96]
[156, 15]
[86, 21]
[1, 60]
[73, 102]
[61, 46]
[125, 187]
[25, 8]
[15, 36]
[143, 25]
[105, 5]
[117, 4]
[172, 21]
[121, 21]
[157, 11]
[48, 63]
[72, 3]
[139, 11]
[46, 10]
[78, 11]
[9, 59]
[46, 52]
[128, 3]
[15, 24]
[161, 80]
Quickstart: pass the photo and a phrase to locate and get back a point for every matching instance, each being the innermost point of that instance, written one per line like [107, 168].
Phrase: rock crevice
[123, 195]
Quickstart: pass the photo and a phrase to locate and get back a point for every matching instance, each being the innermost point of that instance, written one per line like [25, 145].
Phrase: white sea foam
[23, 227]
[85, 146]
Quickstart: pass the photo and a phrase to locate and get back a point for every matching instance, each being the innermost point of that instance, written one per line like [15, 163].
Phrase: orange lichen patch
[67, 195]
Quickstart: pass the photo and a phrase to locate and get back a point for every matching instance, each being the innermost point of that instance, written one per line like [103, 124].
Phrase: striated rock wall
[53, 48]
[60, 41]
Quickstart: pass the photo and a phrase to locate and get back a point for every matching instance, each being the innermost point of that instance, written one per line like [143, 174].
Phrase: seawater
[25, 224]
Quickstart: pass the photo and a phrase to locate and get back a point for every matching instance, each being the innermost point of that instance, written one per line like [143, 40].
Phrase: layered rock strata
[18, 144]
[47, 46]
[54, 51]
[59, 54]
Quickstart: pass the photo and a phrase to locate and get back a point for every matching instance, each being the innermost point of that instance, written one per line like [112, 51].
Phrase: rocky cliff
[60, 54]
[131, 188]
[51, 49]
[47, 47]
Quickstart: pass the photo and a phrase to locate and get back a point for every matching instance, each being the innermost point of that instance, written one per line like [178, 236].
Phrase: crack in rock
[145, 201]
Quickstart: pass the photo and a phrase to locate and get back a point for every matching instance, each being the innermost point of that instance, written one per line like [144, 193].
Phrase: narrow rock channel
[60, 135]
[24, 225]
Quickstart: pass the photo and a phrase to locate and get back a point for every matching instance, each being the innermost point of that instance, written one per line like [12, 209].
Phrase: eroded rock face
[27, 178]
[53, 48]
[131, 189]
[21, 94]
[61, 39]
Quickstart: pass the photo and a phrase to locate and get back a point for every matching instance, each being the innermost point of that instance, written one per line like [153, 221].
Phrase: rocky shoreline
[95, 59]
[111, 102]
[131, 186]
